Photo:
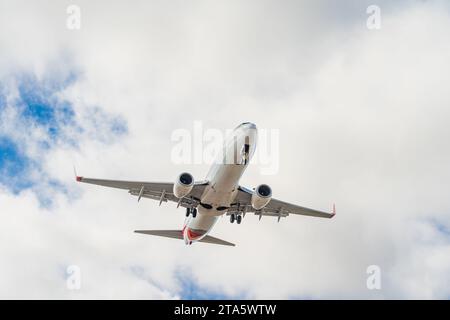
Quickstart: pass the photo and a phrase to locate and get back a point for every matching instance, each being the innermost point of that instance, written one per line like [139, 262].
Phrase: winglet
[77, 177]
[334, 210]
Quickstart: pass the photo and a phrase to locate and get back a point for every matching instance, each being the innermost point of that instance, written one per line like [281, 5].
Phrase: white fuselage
[223, 181]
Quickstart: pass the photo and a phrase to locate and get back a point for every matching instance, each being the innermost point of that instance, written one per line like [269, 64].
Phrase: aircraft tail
[178, 234]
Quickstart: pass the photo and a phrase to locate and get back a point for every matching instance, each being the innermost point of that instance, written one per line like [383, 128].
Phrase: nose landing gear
[236, 217]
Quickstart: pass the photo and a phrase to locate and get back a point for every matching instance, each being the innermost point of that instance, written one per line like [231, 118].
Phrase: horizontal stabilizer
[209, 239]
[178, 234]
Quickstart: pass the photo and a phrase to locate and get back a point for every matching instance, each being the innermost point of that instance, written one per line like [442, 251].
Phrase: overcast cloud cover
[363, 119]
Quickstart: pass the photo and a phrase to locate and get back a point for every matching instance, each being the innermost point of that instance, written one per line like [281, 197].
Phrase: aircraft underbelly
[223, 186]
[220, 193]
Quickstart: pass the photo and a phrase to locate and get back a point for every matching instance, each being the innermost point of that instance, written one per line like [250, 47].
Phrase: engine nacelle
[261, 197]
[183, 185]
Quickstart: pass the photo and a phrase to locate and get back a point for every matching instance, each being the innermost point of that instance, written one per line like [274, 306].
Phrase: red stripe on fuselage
[192, 235]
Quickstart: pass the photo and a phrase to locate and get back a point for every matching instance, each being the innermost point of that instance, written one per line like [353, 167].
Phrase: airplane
[219, 194]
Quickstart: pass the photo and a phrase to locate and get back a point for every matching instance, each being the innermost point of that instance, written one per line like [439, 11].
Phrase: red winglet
[334, 210]
[79, 178]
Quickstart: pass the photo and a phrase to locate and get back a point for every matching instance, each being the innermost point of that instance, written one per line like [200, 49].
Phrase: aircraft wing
[275, 207]
[160, 191]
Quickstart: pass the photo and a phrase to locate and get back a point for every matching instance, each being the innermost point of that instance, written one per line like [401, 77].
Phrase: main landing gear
[235, 217]
[192, 211]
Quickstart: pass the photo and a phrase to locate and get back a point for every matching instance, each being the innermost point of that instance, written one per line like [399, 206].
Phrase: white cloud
[362, 118]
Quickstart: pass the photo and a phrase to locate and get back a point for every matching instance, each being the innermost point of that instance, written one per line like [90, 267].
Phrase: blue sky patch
[38, 103]
[10, 156]
[441, 227]
[44, 120]
[13, 163]
[191, 290]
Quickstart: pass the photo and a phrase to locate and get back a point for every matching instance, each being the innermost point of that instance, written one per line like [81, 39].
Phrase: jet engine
[183, 185]
[261, 196]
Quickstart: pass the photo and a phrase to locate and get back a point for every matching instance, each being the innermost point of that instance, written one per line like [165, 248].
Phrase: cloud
[36, 119]
[362, 119]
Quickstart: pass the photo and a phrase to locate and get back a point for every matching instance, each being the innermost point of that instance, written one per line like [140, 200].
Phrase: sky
[361, 115]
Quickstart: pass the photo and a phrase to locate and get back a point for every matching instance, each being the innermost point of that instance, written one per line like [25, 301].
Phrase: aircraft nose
[249, 125]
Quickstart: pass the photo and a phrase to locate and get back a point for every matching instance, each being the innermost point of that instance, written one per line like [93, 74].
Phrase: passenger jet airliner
[219, 194]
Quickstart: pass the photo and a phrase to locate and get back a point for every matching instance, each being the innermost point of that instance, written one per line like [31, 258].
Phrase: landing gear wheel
[239, 219]
[232, 218]
[188, 212]
[194, 212]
